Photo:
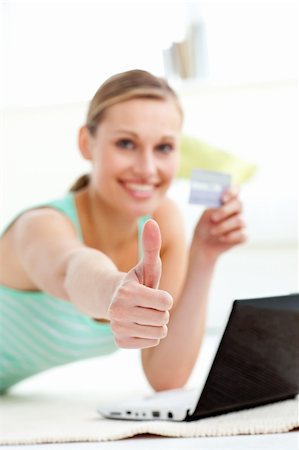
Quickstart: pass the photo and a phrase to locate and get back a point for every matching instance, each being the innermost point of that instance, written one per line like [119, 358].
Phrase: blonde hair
[119, 88]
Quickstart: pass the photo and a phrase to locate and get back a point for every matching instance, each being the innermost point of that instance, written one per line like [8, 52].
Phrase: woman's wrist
[202, 256]
[90, 282]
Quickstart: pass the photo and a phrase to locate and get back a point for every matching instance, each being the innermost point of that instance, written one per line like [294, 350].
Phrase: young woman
[106, 266]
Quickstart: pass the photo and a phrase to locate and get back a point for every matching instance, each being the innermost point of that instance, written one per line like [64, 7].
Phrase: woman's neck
[103, 227]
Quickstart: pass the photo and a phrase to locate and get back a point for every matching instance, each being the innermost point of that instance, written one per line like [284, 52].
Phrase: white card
[207, 187]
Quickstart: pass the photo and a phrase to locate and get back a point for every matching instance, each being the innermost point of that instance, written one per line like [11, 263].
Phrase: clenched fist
[138, 312]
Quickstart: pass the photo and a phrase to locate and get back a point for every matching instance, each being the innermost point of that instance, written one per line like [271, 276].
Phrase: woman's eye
[165, 148]
[125, 143]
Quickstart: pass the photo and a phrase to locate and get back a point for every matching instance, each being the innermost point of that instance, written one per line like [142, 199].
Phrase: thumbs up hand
[139, 310]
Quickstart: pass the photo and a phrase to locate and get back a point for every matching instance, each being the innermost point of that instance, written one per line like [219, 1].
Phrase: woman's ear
[84, 139]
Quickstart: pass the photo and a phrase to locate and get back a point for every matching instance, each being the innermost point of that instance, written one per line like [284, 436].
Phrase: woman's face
[135, 154]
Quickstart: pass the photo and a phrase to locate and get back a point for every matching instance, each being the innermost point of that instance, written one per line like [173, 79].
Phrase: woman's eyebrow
[124, 131]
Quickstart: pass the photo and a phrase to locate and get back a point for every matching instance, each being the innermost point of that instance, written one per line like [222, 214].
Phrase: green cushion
[196, 154]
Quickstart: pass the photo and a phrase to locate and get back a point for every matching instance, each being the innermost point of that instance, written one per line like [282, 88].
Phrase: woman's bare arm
[47, 252]
[45, 244]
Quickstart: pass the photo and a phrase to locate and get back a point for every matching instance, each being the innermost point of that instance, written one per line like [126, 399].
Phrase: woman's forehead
[139, 109]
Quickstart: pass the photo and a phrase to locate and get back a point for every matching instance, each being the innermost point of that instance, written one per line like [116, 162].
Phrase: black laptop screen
[257, 361]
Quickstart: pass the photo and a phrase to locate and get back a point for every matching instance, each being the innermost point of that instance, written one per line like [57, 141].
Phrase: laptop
[257, 362]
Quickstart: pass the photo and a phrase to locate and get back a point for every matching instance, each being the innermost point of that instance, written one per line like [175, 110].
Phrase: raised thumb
[151, 262]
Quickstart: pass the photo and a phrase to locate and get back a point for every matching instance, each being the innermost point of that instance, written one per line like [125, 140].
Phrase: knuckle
[238, 207]
[161, 318]
[240, 221]
[164, 331]
[165, 317]
[154, 342]
[166, 300]
[219, 229]
[124, 291]
[244, 237]
[116, 327]
[126, 342]
[160, 332]
[120, 341]
[116, 311]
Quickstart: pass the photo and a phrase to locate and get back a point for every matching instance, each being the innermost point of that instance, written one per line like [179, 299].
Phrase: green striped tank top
[39, 331]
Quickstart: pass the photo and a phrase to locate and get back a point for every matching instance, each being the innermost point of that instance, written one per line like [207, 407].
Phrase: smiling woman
[93, 256]
[138, 161]
[132, 143]
[128, 153]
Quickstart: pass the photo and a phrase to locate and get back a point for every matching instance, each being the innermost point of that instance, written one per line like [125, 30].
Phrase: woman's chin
[140, 208]
[141, 211]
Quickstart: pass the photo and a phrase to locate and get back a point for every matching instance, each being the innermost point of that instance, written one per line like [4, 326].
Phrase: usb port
[156, 413]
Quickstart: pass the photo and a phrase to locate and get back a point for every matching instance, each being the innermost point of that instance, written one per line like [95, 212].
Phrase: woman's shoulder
[63, 206]
[166, 207]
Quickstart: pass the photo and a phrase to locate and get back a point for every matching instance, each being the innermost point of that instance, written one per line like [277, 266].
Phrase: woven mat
[40, 419]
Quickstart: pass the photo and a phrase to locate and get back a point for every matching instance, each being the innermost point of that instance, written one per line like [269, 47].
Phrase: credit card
[207, 187]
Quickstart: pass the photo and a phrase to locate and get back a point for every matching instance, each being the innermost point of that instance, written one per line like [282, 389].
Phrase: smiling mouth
[139, 190]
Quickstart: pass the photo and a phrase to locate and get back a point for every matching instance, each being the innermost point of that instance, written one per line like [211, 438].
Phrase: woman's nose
[145, 164]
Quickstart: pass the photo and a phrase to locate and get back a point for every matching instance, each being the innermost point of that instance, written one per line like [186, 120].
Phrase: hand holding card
[221, 229]
[207, 187]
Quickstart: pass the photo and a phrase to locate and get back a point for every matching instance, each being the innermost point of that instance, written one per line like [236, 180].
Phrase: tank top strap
[67, 206]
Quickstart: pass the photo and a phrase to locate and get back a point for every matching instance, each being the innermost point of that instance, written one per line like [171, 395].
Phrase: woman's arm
[45, 254]
[170, 364]
[50, 258]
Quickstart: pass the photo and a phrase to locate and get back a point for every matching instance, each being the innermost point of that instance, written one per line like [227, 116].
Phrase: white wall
[259, 123]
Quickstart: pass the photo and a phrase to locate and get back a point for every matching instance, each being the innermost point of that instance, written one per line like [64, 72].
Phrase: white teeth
[140, 187]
